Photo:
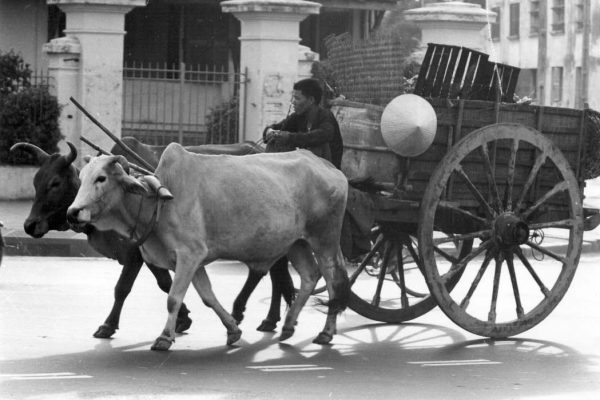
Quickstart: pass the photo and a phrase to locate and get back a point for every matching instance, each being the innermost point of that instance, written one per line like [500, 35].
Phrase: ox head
[55, 184]
[104, 182]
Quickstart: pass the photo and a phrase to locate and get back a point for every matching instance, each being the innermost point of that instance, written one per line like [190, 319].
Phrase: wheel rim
[513, 186]
[394, 290]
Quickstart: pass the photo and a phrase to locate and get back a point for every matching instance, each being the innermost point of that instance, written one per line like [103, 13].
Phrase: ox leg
[302, 259]
[333, 270]
[281, 286]
[203, 286]
[164, 281]
[184, 272]
[239, 304]
[129, 272]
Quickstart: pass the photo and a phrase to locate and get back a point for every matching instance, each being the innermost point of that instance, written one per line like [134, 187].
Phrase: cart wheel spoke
[414, 255]
[515, 285]
[376, 247]
[495, 287]
[463, 212]
[382, 271]
[510, 176]
[460, 265]
[476, 193]
[539, 161]
[559, 187]
[400, 270]
[547, 252]
[491, 178]
[532, 272]
[563, 223]
[486, 261]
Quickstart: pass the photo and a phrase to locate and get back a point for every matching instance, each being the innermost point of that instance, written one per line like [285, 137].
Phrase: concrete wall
[24, 28]
[16, 183]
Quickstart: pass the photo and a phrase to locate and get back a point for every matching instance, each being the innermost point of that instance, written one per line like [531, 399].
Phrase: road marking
[288, 368]
[43, 375]
[453, 363]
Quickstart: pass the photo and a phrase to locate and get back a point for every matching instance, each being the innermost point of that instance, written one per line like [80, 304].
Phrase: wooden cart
[488, 222]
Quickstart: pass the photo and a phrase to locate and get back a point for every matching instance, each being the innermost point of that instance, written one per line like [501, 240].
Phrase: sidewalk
[71, 244]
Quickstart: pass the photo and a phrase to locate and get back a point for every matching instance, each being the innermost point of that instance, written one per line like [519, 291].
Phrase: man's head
[307, 93]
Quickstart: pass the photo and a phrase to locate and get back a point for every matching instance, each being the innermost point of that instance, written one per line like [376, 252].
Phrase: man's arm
[286, 124]
[322, 132]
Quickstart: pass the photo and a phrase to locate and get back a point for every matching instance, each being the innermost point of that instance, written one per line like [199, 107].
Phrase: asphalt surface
[49, 308]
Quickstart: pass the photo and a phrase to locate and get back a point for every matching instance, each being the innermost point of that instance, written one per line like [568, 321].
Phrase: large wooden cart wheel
[511, 190]
[388, 285]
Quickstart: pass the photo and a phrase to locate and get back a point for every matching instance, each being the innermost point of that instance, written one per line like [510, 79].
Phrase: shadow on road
[379, 360]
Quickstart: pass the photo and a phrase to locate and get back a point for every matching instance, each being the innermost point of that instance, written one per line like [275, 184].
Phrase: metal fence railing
[189, 105]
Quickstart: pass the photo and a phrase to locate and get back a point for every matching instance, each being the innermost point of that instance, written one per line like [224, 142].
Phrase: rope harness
[155, 215]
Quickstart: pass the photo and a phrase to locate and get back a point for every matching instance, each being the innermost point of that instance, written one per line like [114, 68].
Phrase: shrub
[14, 73]
[29, 115]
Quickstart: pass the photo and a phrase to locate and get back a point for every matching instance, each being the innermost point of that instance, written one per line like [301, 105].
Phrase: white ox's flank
[254, 209]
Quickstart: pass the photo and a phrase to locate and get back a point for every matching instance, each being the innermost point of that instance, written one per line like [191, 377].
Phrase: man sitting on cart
[310, 126]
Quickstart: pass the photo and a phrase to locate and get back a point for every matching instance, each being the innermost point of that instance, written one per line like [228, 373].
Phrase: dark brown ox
[56, 184]
[254, 209]
[282, 285]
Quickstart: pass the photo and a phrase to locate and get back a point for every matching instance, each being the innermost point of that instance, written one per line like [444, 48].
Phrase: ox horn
[69, 158]
[40, 154]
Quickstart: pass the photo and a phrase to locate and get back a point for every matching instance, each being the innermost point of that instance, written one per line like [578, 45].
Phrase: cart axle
[510, 230]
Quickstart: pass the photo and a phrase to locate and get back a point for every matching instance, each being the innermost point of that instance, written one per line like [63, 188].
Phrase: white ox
[254, 209]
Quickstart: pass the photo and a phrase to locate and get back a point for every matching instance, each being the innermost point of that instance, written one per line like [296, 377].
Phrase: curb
[48, 247]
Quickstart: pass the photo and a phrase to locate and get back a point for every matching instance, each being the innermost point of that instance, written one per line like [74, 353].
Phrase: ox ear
[132, 185]
[87, 159]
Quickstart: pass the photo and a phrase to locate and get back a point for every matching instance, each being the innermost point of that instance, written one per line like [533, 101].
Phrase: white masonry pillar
[454, 23]
[99, 28]
[269, 38]
[63, 68]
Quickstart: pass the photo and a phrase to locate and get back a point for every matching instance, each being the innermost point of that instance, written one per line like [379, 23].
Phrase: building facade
[556, 43]
[170, 31]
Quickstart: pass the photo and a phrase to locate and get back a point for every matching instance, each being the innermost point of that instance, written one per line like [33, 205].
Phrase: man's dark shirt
[322, 135]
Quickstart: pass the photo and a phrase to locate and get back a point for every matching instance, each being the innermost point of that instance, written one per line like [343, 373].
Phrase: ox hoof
[267, 326]
[233, 336]
[162, 344]
[323, 338]
[286, 333]
[104, 332]
[183, 324]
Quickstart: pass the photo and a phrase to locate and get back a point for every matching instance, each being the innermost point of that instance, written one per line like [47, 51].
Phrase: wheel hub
[509, 230]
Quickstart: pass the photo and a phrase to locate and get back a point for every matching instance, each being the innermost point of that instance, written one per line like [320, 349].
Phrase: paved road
[49, 308]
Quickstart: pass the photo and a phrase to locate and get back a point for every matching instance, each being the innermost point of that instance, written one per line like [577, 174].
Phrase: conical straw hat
[408, 125]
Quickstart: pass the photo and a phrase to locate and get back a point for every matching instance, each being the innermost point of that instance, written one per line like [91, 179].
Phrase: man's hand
[277, 136]
[282, 137]
[270, 134]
